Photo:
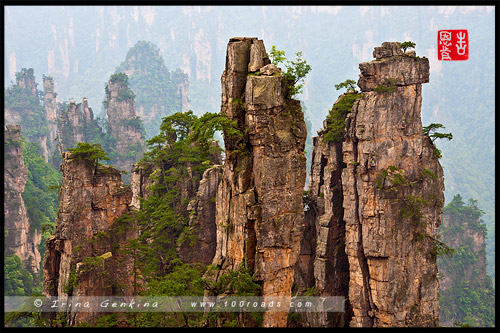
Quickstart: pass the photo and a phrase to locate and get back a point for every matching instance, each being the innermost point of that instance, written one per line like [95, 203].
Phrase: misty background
[81, 46]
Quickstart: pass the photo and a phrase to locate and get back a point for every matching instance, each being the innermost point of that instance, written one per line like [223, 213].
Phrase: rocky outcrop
[21, 239]
[260, 215]
[124, 125]
[392, 198]
[71, 126]
[81, 257]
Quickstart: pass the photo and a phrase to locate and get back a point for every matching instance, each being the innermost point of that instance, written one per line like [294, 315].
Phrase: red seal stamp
[453, 45]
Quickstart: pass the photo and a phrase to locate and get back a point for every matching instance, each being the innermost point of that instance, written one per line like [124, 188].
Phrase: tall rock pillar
[260, 213]
[392, 196]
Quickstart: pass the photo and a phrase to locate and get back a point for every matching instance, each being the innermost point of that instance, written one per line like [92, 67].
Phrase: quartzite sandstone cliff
[259, 201]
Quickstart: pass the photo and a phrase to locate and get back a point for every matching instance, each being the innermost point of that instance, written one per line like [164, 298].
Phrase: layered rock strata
[392, 197]
[20, 239]
[260, 215]
[81, 257]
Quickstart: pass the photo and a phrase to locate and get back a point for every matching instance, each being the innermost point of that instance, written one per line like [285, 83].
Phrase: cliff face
[392, 197]
[259, 200]
[19, 240]
[124, 126]
[81, 257]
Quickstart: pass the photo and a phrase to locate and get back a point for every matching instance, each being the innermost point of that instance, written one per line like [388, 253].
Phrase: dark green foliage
[388, 87]
[88, 151]
[407, 45]
[238, 282]
[18, 281]
[469, 299]
[350, 85]
[40, 198]
[336, 117]
[431, 129]
[412, 206]
[296, 71]
[119, 77]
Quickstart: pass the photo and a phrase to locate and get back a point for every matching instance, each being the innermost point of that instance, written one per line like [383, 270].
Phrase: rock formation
[375, 202]
[71, 126]
[124, 126]
[26, 79]
[20, 240]
[81, 257]
[259, 201]
[392, 197]
[51, 112]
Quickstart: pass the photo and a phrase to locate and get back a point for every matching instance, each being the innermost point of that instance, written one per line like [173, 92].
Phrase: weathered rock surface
[20, 240]
[124, 125]
[393, 68]
[391, 220]
[260, 215]
[81, 257]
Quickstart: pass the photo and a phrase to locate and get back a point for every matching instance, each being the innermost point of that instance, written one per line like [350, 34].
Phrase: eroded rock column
[392, 196]
[260, 213]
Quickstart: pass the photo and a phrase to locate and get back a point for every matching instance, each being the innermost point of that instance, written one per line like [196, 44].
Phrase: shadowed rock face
[259, 200]
[202, 220]
[392, 205]
[324, 262]
[19, 240]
